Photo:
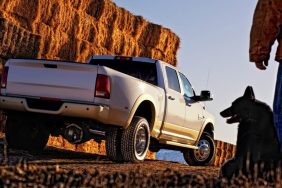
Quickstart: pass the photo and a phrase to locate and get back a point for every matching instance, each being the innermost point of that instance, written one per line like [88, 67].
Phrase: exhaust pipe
[78, 133]
[73, 133]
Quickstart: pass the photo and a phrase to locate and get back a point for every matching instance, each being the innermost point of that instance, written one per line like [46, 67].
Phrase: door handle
[171, 98]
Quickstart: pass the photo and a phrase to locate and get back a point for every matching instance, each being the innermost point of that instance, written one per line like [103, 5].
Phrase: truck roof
[131, 58]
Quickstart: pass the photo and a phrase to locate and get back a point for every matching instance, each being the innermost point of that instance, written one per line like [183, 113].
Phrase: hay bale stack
[224, 151]
[73, 30]
[88, 147]
[17, 42]
[76, 29]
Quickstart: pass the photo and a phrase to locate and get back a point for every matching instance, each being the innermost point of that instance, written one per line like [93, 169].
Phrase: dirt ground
[70, 160]
[63, 168]
[20, 168]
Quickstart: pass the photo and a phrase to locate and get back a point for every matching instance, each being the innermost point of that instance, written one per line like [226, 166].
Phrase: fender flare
[137, 103]
[207, 121]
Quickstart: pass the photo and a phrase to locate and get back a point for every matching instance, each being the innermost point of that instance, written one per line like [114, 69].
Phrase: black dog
[257, 141]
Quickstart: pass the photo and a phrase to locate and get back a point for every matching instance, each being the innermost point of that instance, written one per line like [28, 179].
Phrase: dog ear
[249, 93]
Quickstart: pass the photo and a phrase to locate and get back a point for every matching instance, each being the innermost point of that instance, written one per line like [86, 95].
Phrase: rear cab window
[141, 70]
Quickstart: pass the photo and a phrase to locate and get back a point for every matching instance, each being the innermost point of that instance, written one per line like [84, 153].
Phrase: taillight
[4, 77]
[103, 86]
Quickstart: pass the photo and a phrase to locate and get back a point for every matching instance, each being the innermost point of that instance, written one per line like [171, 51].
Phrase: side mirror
[205, 96]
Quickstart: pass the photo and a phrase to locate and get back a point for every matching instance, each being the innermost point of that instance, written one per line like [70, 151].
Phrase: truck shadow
[49, 153]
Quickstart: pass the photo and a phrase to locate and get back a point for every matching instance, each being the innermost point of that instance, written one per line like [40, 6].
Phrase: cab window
[172, 78]
[187, 87]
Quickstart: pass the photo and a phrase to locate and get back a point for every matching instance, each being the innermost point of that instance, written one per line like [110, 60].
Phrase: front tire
[205, 155]
[135, 140]
[25, 133]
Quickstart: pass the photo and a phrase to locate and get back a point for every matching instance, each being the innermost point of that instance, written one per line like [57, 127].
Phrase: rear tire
[205, 155]
[113, 145]
[135, 140]
[25, 133]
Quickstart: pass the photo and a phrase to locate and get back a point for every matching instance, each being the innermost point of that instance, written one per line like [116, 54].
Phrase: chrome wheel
[204, 155]
[204, 150]
[141, 141]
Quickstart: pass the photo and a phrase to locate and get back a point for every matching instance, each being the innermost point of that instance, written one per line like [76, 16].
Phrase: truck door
[175, 109]
[193, 111]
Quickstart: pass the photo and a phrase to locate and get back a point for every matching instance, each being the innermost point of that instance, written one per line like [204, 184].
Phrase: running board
[178, 144]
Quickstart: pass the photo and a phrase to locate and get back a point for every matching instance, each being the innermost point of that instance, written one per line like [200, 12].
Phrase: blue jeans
[277, 106]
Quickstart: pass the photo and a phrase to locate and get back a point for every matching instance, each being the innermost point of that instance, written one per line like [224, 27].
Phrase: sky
[214, 49]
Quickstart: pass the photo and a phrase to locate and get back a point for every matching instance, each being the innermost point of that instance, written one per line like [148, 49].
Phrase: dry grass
[23, 169]
[24, 174]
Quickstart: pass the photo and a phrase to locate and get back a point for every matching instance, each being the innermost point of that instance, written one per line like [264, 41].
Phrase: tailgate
[52, 79]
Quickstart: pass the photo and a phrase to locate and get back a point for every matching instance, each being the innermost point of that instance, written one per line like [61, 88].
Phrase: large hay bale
[96, 8]
[224, 151]
[150, 35]
[99, 22]
[88, 147]
[17, 42]
[20, 14]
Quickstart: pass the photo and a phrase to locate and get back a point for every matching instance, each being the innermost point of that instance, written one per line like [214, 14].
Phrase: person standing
[266, 29]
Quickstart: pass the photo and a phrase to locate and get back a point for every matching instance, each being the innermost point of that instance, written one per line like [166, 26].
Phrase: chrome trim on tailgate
[68, 100]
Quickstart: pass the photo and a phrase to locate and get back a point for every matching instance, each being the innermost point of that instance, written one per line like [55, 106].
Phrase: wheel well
[209, 129]
[146, 109]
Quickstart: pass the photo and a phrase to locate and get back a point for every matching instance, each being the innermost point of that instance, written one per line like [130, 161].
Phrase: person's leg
[277, 106]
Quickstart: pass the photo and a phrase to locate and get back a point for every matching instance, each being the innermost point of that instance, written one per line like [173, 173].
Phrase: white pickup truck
[135, 104]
